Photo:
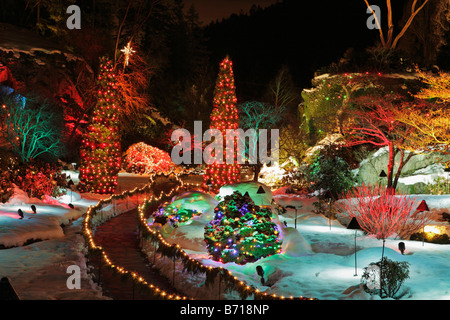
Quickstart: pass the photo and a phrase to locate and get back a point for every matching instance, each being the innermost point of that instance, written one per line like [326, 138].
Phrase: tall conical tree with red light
[224, 116]
[100, 152]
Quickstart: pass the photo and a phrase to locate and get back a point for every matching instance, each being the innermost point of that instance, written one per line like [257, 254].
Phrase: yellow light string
[88, 234]
[178, 251]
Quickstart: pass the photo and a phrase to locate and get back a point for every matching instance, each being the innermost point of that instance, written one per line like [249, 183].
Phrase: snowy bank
[317, 259]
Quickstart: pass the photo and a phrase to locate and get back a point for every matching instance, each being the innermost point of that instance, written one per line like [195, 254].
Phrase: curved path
[119, 238]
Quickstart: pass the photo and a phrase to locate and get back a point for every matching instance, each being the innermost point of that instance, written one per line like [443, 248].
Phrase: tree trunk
[257, 170]
[400, 167]
[414, 12]
[390, 42]
[390, 166]
[38, 14]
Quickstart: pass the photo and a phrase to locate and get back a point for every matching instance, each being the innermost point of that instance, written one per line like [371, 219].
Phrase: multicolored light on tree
[100, 151]
[241, 231]
[224, 116]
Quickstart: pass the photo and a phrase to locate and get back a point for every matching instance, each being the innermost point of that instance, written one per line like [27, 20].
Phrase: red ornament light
[224, 116]
[98, 156]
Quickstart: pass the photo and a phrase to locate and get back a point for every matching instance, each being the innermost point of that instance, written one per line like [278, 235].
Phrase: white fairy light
[128, 51]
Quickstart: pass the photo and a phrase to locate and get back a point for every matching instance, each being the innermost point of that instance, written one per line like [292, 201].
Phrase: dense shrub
[36, 178]
[438, 186]
[8, 166]
[386, 278]
[442, 238]
[40, 179]
[144, 159]
[328, 172]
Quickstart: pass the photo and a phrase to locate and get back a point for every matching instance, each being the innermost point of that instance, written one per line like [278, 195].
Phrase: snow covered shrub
[325, 208]
[271, 175]
[241, 231]
[36, 178]
[386, 278]
[144, 159]
[296, 180]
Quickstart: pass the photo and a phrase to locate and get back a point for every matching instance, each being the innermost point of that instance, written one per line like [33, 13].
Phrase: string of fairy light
[175, 249]
[88, 233]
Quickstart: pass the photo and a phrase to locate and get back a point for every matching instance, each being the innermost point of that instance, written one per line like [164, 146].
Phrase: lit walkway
[118, 237]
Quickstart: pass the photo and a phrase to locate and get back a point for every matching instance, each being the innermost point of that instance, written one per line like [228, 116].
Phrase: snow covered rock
[418, 171]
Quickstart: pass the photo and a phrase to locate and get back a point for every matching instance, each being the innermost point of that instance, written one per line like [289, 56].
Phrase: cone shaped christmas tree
[100, 152]
[224, 170]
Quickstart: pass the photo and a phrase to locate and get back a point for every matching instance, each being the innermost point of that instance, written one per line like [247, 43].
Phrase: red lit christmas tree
[224, 116]
[100, 152]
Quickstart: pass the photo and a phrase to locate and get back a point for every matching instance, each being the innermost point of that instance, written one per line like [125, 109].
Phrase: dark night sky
[210, 10]
[302, 35]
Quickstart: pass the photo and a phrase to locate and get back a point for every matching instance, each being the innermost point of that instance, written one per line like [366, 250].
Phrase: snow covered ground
[318, 258]
[317, 261]
[39, 270]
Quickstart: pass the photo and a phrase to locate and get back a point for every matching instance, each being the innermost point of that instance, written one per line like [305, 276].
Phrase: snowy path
[118, 237]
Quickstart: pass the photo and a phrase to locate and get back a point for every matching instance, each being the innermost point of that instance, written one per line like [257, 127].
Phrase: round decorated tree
[100, 152]
[241, 231]
[224, 116]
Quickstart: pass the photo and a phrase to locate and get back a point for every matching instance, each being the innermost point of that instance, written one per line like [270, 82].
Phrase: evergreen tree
[329, 172]
[100, 153]
[224, 116]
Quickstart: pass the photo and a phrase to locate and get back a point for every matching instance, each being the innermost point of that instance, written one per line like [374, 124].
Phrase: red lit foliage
[144, 159]
[381, 212]
[374, 121]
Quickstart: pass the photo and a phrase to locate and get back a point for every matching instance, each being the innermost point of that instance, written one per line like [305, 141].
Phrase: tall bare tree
[389, 41]
[427, 32]
[281, 91]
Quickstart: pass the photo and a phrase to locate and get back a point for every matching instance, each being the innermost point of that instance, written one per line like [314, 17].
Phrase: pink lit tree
[381, 213]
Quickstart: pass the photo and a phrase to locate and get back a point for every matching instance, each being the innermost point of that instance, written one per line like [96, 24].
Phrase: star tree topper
[128, 51]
